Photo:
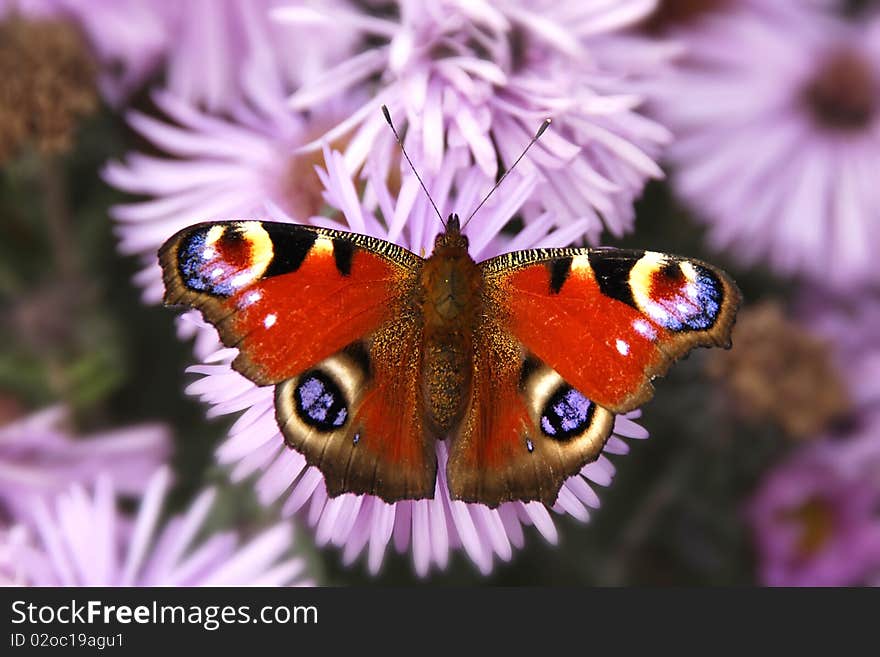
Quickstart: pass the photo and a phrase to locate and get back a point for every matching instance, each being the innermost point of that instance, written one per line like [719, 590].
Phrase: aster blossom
[209, 52]
[777, 124]
[79, 538]
[431, 528]
[849, 324]
[39, 456]
[219, 51]
[815, 526]
[814, 516]
[484, 77]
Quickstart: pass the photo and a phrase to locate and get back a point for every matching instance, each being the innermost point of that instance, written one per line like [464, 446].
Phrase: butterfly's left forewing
[572, 337]
[325, 317]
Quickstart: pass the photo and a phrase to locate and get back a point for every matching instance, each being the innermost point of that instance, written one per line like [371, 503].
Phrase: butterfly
[520, 362]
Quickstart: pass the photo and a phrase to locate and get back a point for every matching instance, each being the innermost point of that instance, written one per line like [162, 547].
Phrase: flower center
[676, 13]
[777, 371]
[48, 84]
[815, 520]
[844, 93]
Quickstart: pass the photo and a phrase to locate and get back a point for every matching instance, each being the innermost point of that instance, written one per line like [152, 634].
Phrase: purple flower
[815, 516]
[129, 38]
[214, 168]
[211, 51]
[777, 120]
[39, 457]
[80, 538]
[850, 324]
[431, 528]
[220, 50]
[815, 526]
[483, 77]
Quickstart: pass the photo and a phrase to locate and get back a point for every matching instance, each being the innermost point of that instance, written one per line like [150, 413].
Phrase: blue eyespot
[199, 270]
[696, 308]
[567, 413]
[319, 402]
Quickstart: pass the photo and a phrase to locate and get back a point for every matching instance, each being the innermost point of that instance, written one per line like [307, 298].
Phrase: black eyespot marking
[319, 402]
[559, 271]
[671, 271]
[567, 413]
[357, 351]
[232, 235]
[343, 250]
[289, 246]
[612, 273]
[528, 367]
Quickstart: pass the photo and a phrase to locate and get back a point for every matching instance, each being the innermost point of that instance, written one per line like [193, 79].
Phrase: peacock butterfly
[520, 361]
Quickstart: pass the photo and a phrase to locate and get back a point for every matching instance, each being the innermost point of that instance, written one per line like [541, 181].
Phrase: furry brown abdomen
[450, 285]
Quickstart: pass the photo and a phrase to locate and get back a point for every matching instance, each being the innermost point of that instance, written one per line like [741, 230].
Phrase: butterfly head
[451, 236]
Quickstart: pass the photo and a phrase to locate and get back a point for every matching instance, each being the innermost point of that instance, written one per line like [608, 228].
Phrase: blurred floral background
[742, 132]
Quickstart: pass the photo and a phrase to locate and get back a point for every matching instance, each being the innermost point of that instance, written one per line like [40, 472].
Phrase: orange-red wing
[377, 445]
[325, 316]
[608, 320]
[526, 431]
[287, 296]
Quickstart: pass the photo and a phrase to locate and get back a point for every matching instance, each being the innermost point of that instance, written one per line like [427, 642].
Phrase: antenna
[397, 136]
[544, 126]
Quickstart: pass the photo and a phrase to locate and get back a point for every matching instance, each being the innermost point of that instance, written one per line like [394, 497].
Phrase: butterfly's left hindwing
[326, 317]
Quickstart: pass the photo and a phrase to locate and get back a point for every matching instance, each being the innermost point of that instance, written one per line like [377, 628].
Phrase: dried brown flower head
[48, 84]
[778, 371]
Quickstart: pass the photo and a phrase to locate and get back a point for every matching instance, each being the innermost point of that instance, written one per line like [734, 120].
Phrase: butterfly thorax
[450, 297]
